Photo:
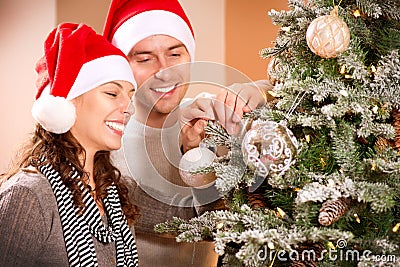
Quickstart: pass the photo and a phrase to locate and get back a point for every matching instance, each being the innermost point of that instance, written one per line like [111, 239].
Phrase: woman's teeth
[115, 125]
[164, 89]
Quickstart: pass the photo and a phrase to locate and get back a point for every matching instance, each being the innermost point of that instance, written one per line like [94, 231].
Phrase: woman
[63, 203]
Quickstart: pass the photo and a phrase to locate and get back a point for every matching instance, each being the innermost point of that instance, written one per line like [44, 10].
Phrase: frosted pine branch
[386, 84]
[317, 192]
[379, 195]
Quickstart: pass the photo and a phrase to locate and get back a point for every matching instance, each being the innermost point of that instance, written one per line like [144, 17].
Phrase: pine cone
[332, 210]
[396, 125]
[381, 144]
[297, 264]
[303, 264]
[256, 200]
[310, 259]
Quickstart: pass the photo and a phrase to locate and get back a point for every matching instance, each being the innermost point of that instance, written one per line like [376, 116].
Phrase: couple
[65, 203]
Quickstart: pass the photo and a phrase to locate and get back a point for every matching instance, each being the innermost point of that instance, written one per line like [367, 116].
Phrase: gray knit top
[30, 228]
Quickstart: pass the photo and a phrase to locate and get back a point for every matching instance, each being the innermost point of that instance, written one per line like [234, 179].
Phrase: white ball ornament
[269, 147]
[328, 36]
[192, 160]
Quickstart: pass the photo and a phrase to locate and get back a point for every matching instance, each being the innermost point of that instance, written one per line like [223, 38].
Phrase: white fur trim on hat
[100, 71]
[54, 113]
[150, 23]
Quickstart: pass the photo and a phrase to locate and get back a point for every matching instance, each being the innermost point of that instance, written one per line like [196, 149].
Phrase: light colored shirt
[160, 194]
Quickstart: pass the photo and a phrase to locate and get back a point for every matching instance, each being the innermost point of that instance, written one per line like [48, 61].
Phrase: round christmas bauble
[328, 36]
[269, 147]
[192, 160]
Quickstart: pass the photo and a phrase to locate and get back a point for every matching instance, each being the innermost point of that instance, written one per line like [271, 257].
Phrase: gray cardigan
[30, 227]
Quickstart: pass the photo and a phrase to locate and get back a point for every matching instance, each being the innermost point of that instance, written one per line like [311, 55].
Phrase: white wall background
[24, 24]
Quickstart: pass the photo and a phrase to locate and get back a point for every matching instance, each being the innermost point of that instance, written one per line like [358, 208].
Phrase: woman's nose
[126, 104]
[128, 112]
[130, 109]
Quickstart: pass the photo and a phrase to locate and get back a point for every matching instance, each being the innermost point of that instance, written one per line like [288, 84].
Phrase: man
[158, 39]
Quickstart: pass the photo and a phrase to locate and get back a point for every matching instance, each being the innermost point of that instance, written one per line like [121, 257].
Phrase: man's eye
[142, 58]
[111, 94]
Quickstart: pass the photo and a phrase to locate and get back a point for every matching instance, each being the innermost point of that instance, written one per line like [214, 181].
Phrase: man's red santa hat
[76, 60]
[130, 21]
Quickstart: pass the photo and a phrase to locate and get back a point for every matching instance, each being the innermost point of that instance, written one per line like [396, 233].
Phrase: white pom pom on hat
[61, 121]
[128, 22]
[76, 60]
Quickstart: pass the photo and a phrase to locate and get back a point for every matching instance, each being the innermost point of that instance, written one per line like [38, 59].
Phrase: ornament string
[333, 1]
[296, 102]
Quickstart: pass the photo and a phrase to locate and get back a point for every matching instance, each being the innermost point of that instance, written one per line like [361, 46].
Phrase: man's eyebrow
[140, 53]
[176, 46]
[144, 52]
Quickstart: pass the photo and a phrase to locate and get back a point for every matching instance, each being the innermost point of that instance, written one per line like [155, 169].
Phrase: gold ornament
[269, 147]
[332, 210]
[328, 36]
[192, 160]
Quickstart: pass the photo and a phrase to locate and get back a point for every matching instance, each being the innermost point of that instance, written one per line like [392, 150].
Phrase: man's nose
[164, 70]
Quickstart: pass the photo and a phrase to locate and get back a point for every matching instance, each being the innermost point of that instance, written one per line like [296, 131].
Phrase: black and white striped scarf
[77, 229]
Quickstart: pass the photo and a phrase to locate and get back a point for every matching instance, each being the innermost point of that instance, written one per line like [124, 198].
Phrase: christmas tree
[314, 177]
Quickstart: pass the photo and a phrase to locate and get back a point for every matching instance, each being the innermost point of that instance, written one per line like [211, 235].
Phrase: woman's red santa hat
[76, 60]
[130, 21]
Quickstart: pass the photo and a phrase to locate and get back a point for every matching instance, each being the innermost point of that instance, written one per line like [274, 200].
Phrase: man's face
[160, 64]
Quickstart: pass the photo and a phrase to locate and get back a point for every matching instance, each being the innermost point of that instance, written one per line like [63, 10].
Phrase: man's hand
[227, 108]
[193, 120]
[237, 99]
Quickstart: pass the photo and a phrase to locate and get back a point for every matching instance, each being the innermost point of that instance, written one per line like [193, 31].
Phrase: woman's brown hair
[65, 154]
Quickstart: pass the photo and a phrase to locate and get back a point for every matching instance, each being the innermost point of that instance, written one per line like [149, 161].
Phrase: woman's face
[101, 116]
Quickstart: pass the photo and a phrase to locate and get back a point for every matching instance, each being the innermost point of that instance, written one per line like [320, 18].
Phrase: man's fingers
[199, 109]
[199, 126]
[219, 107]
[192, 135]
[241, 103]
